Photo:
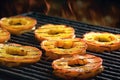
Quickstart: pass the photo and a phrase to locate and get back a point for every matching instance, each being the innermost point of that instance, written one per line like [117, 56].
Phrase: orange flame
[88, 11]
[96, 12]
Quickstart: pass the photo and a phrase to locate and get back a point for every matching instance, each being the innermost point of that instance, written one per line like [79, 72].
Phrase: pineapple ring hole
[17, 22]
[77, 63]
[104, 38]
[15, 51]
[55, 31]
[65, 44]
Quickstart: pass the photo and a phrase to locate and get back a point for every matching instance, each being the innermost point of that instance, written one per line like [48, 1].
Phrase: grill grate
[43, 70]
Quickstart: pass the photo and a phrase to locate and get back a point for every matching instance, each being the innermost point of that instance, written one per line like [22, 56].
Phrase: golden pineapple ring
[52, 32]
[102, 41]
[4, 35]
[65, 47]
[12, 54]
[18, 24]
[78, 67]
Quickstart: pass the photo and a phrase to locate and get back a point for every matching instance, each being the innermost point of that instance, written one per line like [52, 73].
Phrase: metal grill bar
[43, 70]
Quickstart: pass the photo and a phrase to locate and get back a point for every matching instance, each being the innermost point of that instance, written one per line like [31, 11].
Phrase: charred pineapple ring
[78, 67]
[18, 24]
[4, 35]
[15, 54]
[100, 42]
[60, 48]
[52, 32]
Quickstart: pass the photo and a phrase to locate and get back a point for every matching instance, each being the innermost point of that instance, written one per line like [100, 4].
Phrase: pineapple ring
[78, 67]
[66, 47]
[12, 54]
[18, 24]
[51, 31]
[4, 35]
[100, 42]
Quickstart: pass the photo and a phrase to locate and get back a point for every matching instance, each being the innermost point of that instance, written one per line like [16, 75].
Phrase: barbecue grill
[42, 70]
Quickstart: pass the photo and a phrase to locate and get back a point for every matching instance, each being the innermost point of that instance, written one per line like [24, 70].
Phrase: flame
[67, 11]
[39, 6]
[105, 13]
[88, 11]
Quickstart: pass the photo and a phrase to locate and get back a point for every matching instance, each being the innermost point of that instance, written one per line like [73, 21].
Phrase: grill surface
[43, 70]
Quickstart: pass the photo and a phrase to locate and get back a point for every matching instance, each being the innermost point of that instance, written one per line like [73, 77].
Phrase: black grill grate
[43, 70]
